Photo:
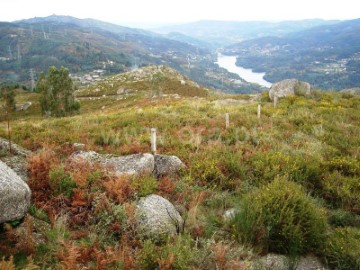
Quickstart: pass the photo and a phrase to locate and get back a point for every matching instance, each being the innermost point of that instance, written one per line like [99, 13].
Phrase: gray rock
[167, 165]
[135, 165]
[24, 106]
[277, 261]
[352, 91]
[289, 87]
[14, 195]
[78, 146]
[157, 217]
[131, 165]
[18, 164]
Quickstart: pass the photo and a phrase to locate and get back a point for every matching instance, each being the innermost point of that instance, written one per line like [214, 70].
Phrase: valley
[325, 56]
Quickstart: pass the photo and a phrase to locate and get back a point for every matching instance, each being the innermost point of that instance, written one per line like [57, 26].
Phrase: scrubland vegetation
[291, 176]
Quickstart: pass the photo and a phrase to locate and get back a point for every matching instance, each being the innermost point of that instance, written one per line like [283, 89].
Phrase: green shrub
[206, 171]
[267, 166]
[345, 165]
[341, 218]
[144, 185]
[110, 220]
[61, 182]
[177, 253]
[341, 191]
[342, 248]
[280, 217]
[38, 213]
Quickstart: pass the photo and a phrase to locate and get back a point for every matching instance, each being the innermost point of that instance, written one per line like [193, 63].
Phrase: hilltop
[326, 56]
[303, 155]
[153, 81]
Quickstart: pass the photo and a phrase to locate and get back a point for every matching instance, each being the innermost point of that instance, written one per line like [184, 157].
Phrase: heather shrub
[61, 182]
[280, 217]
[341, 191]
[144, 185]
[266, 166]
[342, 248]
[177, 253]
[342, 218]
[206, 171]
[109, 219]
[347, 166]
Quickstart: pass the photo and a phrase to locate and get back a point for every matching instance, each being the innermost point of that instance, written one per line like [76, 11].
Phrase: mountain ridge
[225, 33]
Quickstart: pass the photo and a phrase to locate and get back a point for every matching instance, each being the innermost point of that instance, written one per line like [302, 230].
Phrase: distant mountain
[190, 40]
[29, 47]
[326, 56]
[222, 33]
[87, 23]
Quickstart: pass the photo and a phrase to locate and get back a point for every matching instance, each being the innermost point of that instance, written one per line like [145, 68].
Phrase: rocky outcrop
[131, 165]
[352, 91]
[15, 149]
[17, 159]
[167, 165]
[134, 165]
[14, 195]
[289, 87]
[157, 217]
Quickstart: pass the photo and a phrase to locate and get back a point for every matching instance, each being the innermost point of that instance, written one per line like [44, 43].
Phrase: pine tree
[57, 93]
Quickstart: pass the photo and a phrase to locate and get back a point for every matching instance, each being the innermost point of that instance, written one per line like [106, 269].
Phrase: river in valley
[228, 62]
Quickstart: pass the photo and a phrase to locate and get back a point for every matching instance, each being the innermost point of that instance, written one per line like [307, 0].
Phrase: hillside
[303, 155]
[223, 33]
[326, 56]
[153, 81]
[31, 46]
[83, 46]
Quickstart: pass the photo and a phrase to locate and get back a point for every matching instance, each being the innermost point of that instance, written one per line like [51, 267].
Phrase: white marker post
[227, 121]
[153, 140]
[259, 111]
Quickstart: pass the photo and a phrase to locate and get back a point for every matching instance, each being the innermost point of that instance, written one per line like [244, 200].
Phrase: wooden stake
[227, 121]
[153, 140]
[9, 131]
[259, 111]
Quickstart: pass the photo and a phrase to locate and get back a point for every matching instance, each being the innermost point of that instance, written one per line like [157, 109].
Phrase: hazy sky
[169, 11]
